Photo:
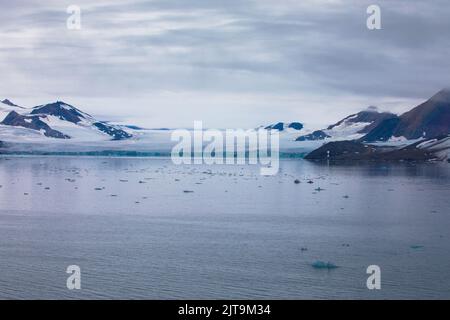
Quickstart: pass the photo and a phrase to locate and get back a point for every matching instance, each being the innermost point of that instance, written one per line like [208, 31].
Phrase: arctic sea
[144, 228]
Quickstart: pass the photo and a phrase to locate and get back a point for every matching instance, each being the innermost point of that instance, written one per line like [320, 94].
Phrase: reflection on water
[136, 233]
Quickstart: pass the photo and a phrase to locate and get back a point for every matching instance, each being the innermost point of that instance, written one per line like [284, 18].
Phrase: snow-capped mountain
[283, 126]
[57, 120]
[32, 122]
[428, 120]
[352, 127]
[422, 133]
[60, 127]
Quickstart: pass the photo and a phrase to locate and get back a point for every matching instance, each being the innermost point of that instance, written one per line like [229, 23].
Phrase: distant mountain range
[425, 131]
[428, 120]
[59, 120]
[357, 136]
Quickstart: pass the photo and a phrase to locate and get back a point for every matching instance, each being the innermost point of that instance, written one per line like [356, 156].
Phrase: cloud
[169, 62]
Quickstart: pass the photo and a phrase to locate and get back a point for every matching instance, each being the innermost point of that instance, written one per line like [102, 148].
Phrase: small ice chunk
[324, 265]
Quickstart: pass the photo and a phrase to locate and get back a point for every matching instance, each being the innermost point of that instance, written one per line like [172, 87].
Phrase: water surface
[135, 232]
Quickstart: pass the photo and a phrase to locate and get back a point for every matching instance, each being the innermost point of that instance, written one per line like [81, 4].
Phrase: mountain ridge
[353, 126]
[370, 126]
[52, 119]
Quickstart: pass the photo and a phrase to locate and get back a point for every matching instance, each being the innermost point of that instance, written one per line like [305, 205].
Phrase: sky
[228, 63]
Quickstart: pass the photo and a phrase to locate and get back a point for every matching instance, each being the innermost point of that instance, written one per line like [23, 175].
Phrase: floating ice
[324, 265]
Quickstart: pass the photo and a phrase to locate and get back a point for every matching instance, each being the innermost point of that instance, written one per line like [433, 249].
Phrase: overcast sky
[229, 63]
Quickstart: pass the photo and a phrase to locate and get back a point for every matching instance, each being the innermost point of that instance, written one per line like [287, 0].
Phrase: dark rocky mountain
[61, 110]
[354, 150]
[42, 118]
[383, 132]
[430, 119]
[32, 122]
[338, 150]
[316, 135]
[9, 103]
[281, 126]
[295, 126]
[115, 133]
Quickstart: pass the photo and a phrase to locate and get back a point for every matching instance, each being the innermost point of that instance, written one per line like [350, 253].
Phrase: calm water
[136, 234]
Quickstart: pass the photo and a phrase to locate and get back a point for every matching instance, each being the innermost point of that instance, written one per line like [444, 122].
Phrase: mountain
[9, 103]
[59, 120]
[424, 130]
[314, 136]
[61, 110]
[367, 119]
[352, 127]
[429, 119]
[430, 149]
[282, 126]
[31, 128]
[32, 122]
[383, 132]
